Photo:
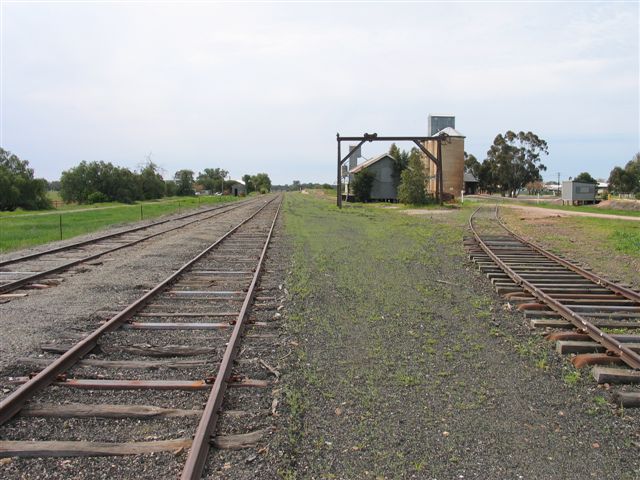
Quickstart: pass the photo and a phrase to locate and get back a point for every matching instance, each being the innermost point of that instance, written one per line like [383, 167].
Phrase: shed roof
[369, 162]
[470, 177]
[451, 132]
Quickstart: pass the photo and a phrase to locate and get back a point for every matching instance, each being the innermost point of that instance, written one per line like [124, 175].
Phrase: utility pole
[559, 192]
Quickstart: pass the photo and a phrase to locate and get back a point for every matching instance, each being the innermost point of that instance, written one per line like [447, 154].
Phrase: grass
[570, 208]
[609, 246]
[20, 230]
[379, 331]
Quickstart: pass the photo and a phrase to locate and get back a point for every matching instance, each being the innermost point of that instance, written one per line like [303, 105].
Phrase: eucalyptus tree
[514, 161]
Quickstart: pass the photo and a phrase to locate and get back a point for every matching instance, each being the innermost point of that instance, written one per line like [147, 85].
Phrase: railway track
[34, 270]
[152, 379]
[588, 316]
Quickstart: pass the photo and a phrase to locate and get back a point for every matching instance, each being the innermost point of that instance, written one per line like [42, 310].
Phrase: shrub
[362, 183]
[97, 197]
[412, 182]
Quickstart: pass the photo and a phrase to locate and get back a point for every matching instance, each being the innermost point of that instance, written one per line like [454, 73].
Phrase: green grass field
[26, 229]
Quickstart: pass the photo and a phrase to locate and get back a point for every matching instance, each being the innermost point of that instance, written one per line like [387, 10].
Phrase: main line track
[584, 313]
[28, 271]
[191, 324]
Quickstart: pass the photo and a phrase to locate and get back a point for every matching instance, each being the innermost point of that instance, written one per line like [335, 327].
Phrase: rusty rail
[14, 285]
[200, 446]
[12, 404]
[619, 289]
[629, 356]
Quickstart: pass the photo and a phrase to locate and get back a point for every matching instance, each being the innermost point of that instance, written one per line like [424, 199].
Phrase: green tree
[184, 183]
[514, 160]
[585, 177]
[212, 178]
[151, 182]
[361, 185]
[248, 183]
[171, 188]
[261, 183]
[471, 164]
[627, 179]
[400, 162]
[413, 180]
[84, 182]
[18, 186]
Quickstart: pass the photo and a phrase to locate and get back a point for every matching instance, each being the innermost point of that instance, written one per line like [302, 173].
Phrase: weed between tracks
[404, 366]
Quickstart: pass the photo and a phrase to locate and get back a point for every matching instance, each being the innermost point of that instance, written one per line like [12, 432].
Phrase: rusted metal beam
[200, 448]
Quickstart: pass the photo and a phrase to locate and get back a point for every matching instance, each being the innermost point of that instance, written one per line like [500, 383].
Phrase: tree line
[95, 182]
[92, 182]
[18, 186]
[626, 180]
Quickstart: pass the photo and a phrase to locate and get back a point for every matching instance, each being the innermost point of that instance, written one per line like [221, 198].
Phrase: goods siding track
[175, 348]
[594, 319]
[34, 270]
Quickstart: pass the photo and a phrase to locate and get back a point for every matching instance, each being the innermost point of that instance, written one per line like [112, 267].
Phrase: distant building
[578, 192]
[436, 123]
[470, 184]
[238, 188]
[452, 151]
[383, 188]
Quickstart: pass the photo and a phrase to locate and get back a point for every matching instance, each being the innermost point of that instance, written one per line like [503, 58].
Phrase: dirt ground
[538, 212]
[620, 204]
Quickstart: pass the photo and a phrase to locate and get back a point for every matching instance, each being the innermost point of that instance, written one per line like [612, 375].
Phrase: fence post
[60, 224]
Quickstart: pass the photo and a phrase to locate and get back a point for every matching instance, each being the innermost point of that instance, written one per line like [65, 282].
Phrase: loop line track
[611, 344]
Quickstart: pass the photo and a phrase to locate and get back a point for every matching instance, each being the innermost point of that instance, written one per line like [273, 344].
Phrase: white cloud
[206, 83]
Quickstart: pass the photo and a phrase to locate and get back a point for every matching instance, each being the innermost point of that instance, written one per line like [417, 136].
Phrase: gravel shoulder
[408, 365]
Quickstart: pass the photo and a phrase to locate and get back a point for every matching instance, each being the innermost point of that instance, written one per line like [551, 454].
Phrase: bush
[18, 187]
[97, 197]
[412, 182]
[362, 183]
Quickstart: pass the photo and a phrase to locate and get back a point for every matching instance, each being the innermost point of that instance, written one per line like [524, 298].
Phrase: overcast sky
[264, 87]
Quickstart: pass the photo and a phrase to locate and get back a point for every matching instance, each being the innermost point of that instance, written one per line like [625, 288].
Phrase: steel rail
[624, 291]
[630, 357]
[12, 404]
[16, 284]
[201, 443]
[110, 235]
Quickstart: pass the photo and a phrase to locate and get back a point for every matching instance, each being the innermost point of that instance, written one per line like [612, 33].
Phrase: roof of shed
[451, 132]
[470, 177]
[369, 162]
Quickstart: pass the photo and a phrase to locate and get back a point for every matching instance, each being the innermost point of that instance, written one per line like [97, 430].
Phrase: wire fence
[24, 230]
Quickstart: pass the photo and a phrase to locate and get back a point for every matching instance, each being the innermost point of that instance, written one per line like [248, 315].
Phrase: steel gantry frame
[373, 137]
